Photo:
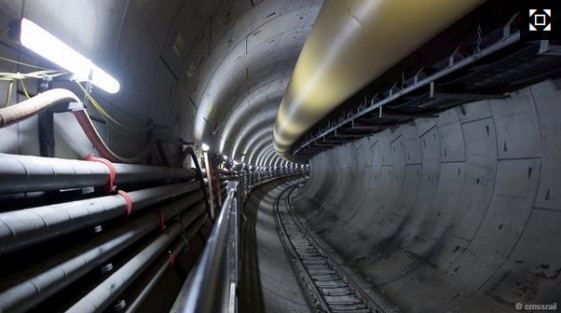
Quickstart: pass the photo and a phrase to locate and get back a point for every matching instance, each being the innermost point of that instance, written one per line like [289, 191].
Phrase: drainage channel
[332, 289]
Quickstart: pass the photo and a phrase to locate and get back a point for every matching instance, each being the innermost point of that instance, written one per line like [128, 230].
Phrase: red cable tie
[162, 219]
[171, 258]
[112, 172]
[128, 199]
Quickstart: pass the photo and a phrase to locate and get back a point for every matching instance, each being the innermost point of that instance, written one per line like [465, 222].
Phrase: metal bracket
[546, 48]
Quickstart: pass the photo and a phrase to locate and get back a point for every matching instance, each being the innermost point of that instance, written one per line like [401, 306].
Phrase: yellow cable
[24, 64]
[35, 75]
[24, 89]
[106, 116]
[9, 96]
[12, 76]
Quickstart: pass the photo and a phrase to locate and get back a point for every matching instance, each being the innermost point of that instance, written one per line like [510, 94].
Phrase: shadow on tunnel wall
[458, 213]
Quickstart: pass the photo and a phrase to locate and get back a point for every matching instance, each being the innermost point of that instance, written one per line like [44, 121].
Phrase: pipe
[100, 297]
[89, 129]
[28, 173]
[61, 270]
[176, 251]
[30, 107]
[352, 43]
[200, 177]
[201, 295]
[23, 110]
[163, 266]
[20, 229]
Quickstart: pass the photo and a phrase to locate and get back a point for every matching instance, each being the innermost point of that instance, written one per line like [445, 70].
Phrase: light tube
[38, 40]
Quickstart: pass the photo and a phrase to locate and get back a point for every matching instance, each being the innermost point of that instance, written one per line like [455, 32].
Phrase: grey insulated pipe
[163, 266]
[20, 229]
[57, 272]
[179, 248]
[28, 173]
[108, 291]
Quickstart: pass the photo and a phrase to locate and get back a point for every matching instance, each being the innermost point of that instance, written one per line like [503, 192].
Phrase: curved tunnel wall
[205, 71]
[458, 213]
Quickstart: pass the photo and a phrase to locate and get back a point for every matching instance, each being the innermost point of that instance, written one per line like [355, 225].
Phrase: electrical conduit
[30, 107]
[20, 229]
[59, 271]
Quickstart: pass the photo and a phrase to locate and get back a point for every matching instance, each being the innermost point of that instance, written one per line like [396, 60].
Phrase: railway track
[332, 289]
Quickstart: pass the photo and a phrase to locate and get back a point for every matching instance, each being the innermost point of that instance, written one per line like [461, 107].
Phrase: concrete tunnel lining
[456, 209]
[224, 81]
[458, 213]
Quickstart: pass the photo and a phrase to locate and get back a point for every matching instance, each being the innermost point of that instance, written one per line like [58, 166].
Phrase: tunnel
[280, 156]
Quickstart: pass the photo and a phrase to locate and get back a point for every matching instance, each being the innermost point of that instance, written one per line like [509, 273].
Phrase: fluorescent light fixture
[38, 40]
[205, 147]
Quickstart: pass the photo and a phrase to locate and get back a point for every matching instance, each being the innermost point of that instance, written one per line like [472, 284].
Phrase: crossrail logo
[540, 20]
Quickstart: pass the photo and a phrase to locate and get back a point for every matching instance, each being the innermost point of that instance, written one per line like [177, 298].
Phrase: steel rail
[365, 296]
[317, 246]
[316, 293]
[205, 292]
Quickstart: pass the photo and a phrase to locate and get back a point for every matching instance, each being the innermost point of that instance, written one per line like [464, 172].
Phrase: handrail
[212, 285]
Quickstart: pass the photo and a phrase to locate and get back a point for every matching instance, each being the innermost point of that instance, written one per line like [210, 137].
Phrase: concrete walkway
[269, 281]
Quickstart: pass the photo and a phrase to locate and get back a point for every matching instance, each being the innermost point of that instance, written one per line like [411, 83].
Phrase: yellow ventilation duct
[352, 43]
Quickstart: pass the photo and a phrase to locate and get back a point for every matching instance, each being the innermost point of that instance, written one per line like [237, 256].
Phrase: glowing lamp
[38, 40]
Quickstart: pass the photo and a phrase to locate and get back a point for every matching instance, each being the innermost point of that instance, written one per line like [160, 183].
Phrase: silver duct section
[20, 229]
[99, 298]
[68, 266]
[20, 173]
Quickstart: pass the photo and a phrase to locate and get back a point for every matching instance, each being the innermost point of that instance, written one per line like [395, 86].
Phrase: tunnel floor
[269, 281]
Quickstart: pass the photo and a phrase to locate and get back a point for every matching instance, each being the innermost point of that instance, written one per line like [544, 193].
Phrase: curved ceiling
[238, 88]
[211, 71]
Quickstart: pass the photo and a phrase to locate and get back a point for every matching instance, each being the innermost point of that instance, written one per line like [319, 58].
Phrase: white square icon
[539, 19]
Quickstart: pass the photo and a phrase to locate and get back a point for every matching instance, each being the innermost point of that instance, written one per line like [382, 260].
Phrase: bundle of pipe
[20, 173]
[99, 298]
[174, 203]
[64, 268]
[20, 229]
